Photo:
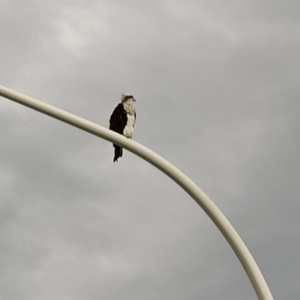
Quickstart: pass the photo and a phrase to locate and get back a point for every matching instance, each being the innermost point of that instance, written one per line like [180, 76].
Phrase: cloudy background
[218, 87]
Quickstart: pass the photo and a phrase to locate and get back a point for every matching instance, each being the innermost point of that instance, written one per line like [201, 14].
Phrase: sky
[217, 85]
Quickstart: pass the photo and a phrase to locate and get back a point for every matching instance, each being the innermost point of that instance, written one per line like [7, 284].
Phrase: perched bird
[122, 121]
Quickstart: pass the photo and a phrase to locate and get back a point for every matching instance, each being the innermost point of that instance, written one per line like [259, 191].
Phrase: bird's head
[126, 97]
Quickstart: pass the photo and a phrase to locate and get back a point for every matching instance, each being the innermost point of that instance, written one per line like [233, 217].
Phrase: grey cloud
[217, 89]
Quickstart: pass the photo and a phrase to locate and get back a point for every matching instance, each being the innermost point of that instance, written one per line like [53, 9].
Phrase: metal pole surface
[258, 282]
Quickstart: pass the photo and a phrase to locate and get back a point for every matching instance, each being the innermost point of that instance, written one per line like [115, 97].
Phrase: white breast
[128, 130]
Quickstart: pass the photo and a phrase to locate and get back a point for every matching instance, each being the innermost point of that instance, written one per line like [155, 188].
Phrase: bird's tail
[118, 152]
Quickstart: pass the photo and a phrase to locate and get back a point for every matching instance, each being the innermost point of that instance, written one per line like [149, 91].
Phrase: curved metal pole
[259, 284]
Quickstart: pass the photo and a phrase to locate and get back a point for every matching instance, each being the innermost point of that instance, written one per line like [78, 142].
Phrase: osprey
[122, 121]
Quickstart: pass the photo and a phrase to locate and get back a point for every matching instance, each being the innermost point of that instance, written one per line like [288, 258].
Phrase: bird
[123, 120]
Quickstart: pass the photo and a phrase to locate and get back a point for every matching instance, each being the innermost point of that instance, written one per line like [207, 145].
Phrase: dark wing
[118, 119]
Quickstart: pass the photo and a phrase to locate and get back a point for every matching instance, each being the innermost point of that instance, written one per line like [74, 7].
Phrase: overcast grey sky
[217, 89]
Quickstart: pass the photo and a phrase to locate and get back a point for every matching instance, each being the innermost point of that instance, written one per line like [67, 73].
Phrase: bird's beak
[134, 99]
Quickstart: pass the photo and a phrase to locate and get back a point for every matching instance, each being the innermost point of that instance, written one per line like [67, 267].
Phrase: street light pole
[258, 282]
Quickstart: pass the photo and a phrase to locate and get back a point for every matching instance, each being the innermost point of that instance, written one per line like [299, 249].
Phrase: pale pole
[258, 282]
